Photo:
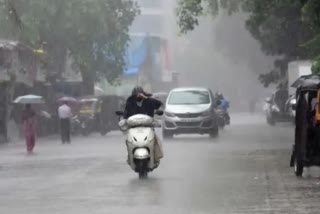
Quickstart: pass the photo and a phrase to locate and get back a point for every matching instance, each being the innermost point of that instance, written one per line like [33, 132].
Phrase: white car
[190, 111]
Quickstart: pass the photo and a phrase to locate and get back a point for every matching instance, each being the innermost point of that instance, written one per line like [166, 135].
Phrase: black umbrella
[300, 80]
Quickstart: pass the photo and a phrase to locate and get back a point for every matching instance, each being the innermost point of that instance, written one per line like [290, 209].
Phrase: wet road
[244, 171]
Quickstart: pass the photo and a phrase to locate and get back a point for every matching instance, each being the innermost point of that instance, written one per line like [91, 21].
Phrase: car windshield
[191, 97]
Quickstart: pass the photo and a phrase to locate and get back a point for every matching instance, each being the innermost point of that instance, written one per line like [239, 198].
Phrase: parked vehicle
[87, 115]
[190, 110]
[276, 110]
[75, 125]
[306, 149]
[291, 107]
[87, 125]
[96, 113]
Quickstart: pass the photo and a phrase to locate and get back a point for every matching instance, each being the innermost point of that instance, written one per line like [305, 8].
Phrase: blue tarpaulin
[135, 54]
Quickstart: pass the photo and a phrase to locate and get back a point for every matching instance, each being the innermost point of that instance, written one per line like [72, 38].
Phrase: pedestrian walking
[29, 126]
[65, 115]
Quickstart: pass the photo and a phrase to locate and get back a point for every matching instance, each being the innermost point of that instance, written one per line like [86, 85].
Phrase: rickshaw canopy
[309, 83]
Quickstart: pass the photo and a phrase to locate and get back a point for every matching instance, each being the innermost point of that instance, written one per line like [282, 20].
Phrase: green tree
[95, 31]
[311, 17]
[277, 25]
[189, 11]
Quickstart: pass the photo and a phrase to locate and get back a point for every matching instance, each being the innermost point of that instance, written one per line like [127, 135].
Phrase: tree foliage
[95, 31]
[289, 29]
[189, 11]
[311, 16]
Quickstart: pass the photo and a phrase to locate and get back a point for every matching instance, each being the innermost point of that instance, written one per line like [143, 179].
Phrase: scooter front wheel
[142, 168]
[143, 174]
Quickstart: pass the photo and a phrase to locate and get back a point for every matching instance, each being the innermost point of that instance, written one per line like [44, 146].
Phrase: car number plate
[187, 120]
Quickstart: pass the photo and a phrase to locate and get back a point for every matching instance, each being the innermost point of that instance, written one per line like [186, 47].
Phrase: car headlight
[169, 114]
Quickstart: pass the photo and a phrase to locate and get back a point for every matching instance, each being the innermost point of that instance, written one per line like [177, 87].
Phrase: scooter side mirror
[159, 112]
[119, 113]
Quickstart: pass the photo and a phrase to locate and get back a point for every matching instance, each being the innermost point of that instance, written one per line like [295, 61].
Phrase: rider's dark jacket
[147, 107]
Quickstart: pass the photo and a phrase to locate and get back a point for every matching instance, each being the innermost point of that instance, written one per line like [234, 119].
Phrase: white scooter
[140, 142]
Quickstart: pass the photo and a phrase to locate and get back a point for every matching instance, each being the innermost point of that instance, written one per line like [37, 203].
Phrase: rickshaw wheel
[298, 167]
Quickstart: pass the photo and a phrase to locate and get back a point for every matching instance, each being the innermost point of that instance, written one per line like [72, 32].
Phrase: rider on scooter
[224, 104]
[141, 102]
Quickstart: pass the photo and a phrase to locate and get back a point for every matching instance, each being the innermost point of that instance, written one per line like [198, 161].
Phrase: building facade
[156, 26]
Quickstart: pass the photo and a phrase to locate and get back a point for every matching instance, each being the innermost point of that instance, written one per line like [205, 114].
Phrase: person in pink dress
[29, 126]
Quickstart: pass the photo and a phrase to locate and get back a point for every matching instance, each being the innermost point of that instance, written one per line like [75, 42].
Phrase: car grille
[207, 123]
[188, 124]
[188, 115]
[169, 124]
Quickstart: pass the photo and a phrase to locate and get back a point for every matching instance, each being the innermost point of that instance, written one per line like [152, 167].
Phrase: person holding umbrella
[29, 127]
[65, 114]
[29, 119]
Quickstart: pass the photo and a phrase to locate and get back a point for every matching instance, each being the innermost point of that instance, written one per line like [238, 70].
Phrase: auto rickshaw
[87, 114]
[306, 149]
[98, 112]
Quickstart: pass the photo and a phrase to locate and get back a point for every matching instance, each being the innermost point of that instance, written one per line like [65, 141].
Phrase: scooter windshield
[140, 120]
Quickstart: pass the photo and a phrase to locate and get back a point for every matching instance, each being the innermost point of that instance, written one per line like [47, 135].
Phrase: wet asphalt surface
[244, 171]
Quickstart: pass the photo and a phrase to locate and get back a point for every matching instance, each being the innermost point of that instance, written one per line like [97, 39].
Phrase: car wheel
[298, 161]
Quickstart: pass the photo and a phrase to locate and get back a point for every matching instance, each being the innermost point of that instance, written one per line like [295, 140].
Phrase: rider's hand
[142, 96]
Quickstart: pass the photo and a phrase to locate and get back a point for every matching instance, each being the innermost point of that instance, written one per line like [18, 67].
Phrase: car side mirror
[159, 112]
[119, 113]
